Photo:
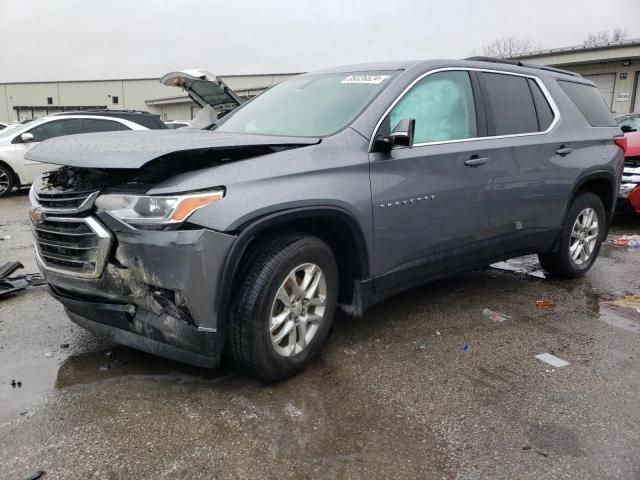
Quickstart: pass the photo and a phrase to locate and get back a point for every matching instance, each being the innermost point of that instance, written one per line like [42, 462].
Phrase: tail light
[621, 142]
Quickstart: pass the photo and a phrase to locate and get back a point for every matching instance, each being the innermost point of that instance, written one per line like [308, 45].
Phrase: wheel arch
[603, 184]
[16, 177]
[333, 225]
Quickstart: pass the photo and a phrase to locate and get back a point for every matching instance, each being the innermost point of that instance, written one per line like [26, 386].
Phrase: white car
[174, 124]
[16, 140]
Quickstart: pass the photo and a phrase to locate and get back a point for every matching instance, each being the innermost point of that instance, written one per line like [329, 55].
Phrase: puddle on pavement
[623, 313]
[121, 361]
[40, 376]
[527, 265]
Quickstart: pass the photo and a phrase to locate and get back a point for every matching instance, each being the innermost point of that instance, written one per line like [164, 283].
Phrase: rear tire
[580, 240]
[7, 180]
[277, 327]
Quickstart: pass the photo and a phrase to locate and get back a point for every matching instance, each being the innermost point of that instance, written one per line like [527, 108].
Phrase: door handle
[476, 161]
[562, 151]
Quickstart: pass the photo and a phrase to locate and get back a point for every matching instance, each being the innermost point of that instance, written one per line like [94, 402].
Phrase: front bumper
[158, 292]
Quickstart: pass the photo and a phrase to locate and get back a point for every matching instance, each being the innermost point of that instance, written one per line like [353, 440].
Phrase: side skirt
[444, 264]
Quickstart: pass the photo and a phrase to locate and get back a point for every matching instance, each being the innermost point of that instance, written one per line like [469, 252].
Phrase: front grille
[74, 246]
[631, 172]
[73, 201]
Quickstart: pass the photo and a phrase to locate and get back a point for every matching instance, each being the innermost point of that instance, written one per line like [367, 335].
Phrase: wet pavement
[395, 394]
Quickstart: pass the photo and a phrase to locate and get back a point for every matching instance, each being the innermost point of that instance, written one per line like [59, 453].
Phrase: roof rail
[518, 63]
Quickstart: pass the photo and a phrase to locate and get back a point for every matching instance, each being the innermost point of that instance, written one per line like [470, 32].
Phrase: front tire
[6, 180]
[284, 306]
[580, 240]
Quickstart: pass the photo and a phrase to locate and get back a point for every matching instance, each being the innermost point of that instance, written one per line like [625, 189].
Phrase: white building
[28, 100]
[613, 67]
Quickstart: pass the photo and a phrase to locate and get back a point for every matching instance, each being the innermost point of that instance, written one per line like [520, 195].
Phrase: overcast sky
[44, 40]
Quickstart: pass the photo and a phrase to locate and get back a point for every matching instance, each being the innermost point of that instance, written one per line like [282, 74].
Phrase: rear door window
[90, 125]
[442, 105]
[590, 102]
[509, 104]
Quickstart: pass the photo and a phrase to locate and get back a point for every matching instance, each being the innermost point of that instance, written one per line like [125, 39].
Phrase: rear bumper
[158, 292]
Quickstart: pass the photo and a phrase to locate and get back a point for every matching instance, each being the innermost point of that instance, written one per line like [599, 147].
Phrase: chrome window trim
[543, 88]
[105, 240]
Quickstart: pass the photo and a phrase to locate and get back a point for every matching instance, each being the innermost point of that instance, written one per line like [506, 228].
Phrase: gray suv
[332, 189]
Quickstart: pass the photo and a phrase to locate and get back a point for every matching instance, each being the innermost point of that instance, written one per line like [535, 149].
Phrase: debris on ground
[547, 305]
[495, 316]
[9, 285]
[37, 475]
[627, 241]
[466, 347]
[527, 265]
[438, 332]
[552, 360]
[422, 346]
[16, 383]
[632, 301]
[105, 367]
[622, 312]
[48, 355]
[6, 237]
[64, 345]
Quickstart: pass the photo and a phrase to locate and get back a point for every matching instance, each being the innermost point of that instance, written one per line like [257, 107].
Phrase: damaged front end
[129, 264]
[151, 288]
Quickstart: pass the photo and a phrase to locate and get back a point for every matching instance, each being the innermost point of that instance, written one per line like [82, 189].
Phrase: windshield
[631, 122]
[309, 106]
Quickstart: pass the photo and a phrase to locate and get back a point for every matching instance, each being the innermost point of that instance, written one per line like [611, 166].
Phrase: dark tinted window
[95, 125]
[55, 128]
[509, 104]
[543, 109]
[590, 103]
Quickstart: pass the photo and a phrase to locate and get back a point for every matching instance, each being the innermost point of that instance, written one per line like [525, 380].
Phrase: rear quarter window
[590, 103]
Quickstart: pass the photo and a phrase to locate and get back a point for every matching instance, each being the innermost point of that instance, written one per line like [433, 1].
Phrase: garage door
[636, 107]
[605, 83]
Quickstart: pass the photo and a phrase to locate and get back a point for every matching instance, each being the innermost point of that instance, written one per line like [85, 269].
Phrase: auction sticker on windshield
[363, 78]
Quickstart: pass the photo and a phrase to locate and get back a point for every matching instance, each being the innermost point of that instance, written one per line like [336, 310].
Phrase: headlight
[155, 210]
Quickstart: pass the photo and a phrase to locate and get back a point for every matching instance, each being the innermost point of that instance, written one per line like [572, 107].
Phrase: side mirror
[402, 135]
[627, 128]
[26, 137]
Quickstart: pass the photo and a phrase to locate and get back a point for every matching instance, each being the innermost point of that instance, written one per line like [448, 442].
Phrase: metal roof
[581, 48]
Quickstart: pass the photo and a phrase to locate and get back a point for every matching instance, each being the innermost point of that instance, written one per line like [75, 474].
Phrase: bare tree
[506, 47]
[616, 35]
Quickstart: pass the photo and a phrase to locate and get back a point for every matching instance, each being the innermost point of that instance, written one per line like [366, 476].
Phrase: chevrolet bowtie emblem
[37, 217]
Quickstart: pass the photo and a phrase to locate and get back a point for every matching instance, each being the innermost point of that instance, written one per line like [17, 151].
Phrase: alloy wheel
[5, 181]
[298, 309]
[584, 236]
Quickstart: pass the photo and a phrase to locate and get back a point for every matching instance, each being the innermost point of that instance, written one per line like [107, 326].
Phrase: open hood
[134, 149]
[204, 88]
